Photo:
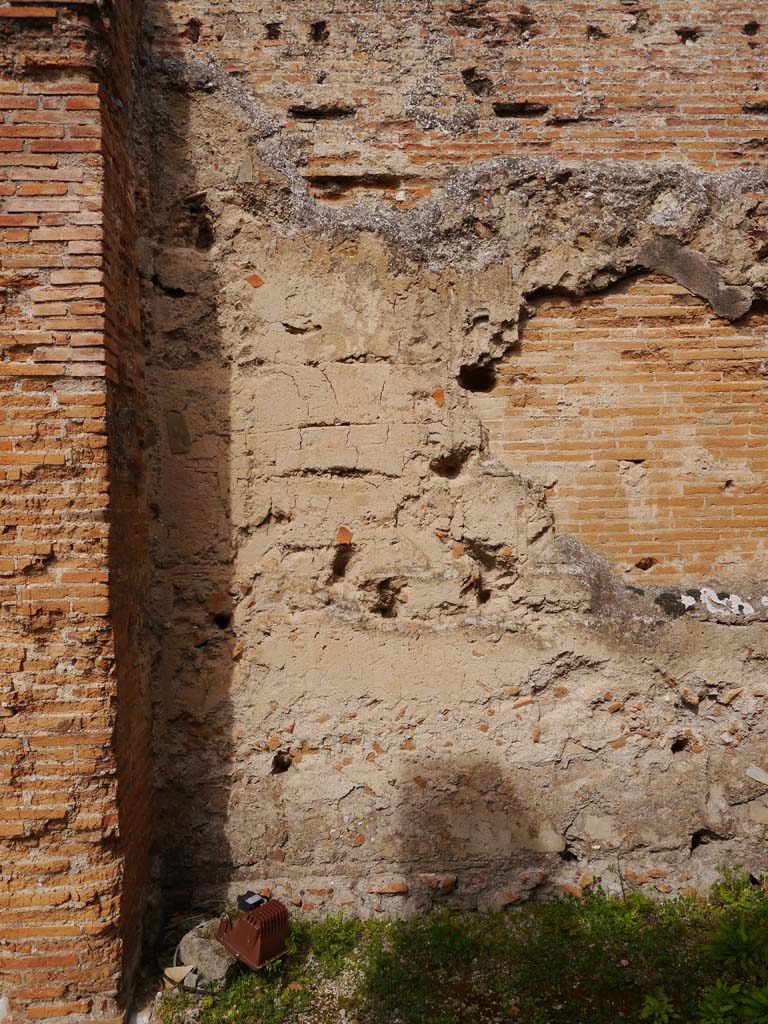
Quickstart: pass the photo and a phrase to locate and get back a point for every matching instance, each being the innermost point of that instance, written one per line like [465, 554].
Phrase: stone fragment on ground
[202, 950]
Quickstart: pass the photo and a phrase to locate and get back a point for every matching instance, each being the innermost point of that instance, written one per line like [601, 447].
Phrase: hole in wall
[200, 221]
[751, 28]
[173, 293]
[204, 239]
[322, 112]
[337, 186]
[281, 762]
[642, 20]
[644, 564]
[519, 108]
[194, 28]
[568, 855]
[483, 593]
[476, 83]
[703, 836]
[273, 30]
[450, 464]
[678, 744]
[758, 107]
[687, 34]
[481, 553]
[222, 620]
[523, 21]
[474, 377]
[385, 599]
[595, 32]
[341, 560]
[319, 32]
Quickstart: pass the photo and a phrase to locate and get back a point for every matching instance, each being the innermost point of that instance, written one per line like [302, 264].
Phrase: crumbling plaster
[378, 662]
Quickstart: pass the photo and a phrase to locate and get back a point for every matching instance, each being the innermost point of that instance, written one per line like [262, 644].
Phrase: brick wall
[389, 97]
[643, 414]
[74, 820]
[255, 593]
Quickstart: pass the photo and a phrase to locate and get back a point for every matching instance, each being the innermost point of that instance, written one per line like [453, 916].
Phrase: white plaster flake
[732, 604]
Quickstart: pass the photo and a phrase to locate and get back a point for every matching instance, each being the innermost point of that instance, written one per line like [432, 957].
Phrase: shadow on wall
[188, 392]
[470, 834]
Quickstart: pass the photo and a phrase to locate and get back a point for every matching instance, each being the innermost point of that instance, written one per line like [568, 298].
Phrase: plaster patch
[731, 604]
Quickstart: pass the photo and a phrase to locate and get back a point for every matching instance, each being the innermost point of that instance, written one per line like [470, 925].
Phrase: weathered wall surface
[422, 619]
[454, 322]
[74, 732]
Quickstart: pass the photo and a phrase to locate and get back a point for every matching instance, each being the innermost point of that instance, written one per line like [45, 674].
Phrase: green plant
[754, 1005]
[720, 1003]
[657, 1009]
[738, 945]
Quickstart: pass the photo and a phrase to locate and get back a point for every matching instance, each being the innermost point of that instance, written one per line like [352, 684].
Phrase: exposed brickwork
[644, 416]
[378, 659]
[74, 816]
[389, 96]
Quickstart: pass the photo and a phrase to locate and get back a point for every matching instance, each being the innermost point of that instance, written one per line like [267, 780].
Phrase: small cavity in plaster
[595, 32]
[644, 564]
[222, 620]
[679, 743]
[751, 28]
[321, 112]
[476, 83]
[477, 377]
[201, 221]
[281, 762]
[341, 560]
[319, 32]
[194, 28]
[273, 29]
[688, 35]
[703, 836]
[450, 464]
[337, 186]
[385, 602]
[520, 108]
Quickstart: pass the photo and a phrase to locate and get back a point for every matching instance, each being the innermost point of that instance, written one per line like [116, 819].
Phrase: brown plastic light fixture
[258, 937]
